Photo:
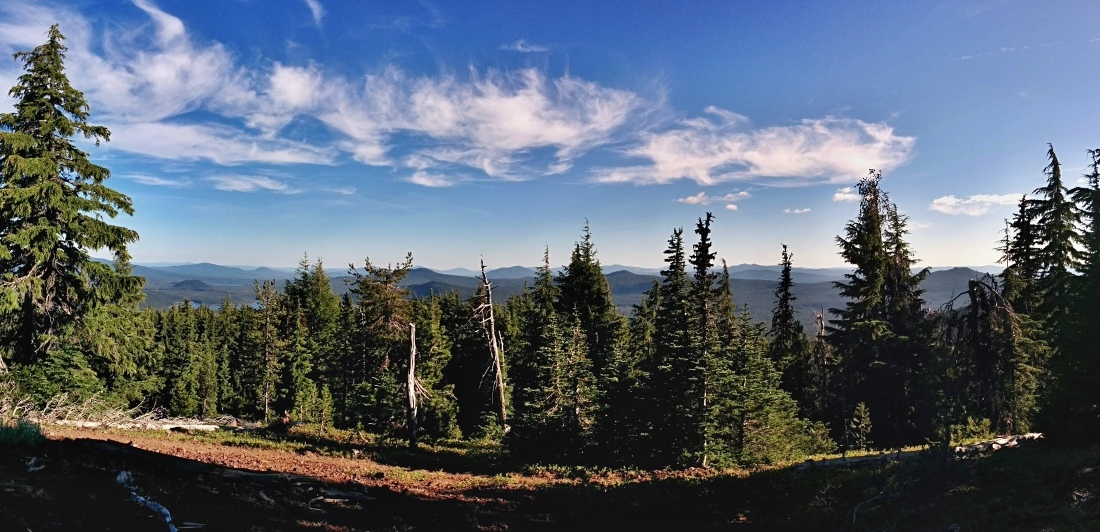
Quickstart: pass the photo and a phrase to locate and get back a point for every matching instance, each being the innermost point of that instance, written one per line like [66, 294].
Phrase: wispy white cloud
[219, 144]
[524, 47]
[796, 211]
[845, 194]
[499, 122]
[976, 205]
[317, 10]
[249, 183]
[150, 83]
[703, 199]
[159, 181]
[433, 180]
[723, 148]
[343, 191]
[1004, 50]
[731, 207]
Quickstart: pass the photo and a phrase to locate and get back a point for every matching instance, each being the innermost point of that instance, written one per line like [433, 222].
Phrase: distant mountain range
[753, 284]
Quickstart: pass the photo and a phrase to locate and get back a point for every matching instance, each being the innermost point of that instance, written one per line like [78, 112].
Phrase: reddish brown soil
[234, 488]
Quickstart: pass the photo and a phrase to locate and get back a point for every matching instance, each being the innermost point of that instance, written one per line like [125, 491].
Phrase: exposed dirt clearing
[240, 488]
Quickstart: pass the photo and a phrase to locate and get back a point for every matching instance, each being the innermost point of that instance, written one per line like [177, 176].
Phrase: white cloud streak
[160, 181]
[524, 47]
[219, 144]
[317, 10]
[796, 211]
[249, 183]
[976, 205]
[723, 149]
[703, 199]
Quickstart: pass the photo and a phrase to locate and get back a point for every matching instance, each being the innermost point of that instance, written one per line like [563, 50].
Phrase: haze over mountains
[753, 284]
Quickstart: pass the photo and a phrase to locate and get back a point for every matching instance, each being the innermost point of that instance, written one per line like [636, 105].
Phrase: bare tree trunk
[496, 346]
[412, 386]
[3, 366]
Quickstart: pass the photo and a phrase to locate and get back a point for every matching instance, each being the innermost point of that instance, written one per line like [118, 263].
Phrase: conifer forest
[557, 373]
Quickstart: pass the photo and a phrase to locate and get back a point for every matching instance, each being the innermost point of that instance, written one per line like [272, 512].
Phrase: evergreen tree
[754, 420]
[271, 347]
[469, 369]
[994, 363]
[438, 412]
[584, 292]
[1019, 254]
[704, 335]
[53, 202]
[881, 334]
[789, 349]
[317, 308]
[1058, 254]
[1087, 197]
[384, 313]
[675, 424]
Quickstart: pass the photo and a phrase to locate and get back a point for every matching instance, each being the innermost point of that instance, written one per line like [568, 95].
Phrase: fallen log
[995, 444]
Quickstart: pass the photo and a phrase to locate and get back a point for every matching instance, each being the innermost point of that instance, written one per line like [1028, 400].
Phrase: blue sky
[249, 132]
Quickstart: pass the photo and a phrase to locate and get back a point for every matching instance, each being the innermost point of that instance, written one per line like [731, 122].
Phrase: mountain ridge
[753, 285]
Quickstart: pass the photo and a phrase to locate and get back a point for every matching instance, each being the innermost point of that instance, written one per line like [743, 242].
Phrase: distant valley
[753, 285]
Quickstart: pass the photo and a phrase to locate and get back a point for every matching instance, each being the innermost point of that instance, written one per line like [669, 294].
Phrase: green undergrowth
[457, 456]
[1035, 487]
[21, 433]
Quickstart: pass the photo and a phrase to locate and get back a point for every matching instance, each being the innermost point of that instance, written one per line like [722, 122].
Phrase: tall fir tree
[706, 348]
[383, 314]
[1059, 253]
[584, 292]
[53, 205]
[1019, 254]
[673, 423]
[878, 334]
[789, 348]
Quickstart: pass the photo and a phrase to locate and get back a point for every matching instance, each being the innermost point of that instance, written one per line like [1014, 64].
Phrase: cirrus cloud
[723, 148]
[249, 183]
[524, 47]
[976, 205]
[703, 199]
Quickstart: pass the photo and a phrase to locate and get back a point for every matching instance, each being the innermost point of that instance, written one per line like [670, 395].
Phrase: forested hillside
[695, 374]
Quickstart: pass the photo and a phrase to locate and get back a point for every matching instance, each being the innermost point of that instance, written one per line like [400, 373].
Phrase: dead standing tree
[484, 314]
[411, 382]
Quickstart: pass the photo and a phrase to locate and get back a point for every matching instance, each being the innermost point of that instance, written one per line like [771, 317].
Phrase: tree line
[687, 379]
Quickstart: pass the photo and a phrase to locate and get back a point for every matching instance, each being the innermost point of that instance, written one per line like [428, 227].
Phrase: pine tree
[53, 202]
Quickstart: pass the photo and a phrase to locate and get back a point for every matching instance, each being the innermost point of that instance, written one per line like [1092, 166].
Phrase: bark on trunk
[412, 386]
[496, 346]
